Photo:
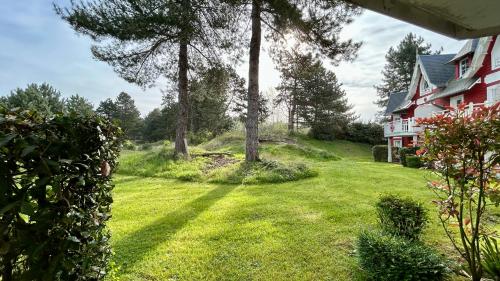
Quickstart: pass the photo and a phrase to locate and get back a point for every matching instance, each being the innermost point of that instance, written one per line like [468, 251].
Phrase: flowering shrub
[464, 148]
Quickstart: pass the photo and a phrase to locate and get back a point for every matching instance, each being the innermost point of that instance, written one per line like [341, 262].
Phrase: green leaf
[9, 207]
[74, 239]
[28, 150]
[6, 139]
[28, 208]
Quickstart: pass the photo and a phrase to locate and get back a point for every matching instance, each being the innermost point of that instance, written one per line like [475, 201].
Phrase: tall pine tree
[398, 70]
[143, 40]
[314, 23]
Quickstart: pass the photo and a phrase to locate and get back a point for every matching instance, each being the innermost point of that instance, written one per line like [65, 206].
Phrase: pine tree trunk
[182, 115]
[252, 123]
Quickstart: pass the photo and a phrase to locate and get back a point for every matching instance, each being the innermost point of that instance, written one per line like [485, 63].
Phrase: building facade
[472, 76]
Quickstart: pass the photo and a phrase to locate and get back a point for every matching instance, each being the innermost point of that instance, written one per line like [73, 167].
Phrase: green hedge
[386, 257]
[413, 161]
[380, 153]
[403, 217]
[55, 195]
[404, 151]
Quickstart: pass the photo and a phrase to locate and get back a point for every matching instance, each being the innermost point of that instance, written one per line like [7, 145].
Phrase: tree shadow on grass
[133, 247]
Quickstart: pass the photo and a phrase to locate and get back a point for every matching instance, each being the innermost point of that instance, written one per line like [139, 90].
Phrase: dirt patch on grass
[219, 161]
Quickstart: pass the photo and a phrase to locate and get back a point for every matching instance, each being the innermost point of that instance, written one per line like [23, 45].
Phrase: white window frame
[425, 86]
[398, 143]
[456, 101]
[463, 66]
[493, 95]
[495, 54]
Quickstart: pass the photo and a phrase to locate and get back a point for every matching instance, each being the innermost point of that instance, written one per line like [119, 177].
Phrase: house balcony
[401, 127]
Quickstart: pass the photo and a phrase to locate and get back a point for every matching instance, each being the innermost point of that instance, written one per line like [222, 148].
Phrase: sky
[36, 46]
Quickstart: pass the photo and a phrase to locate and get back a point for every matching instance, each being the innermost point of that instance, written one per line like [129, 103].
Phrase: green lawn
[167, 229]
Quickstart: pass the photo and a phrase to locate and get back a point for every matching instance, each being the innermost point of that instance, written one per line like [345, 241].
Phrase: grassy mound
[161, 163]
[262, 172]
[287, 159]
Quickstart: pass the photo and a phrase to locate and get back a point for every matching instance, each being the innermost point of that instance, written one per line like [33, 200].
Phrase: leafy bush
[491, 258]
[458, 144]
[404, 151]
[146, 146]
[402, 217]
[386, 257]
[380, 153]
[275, 131]
[199, 137]
[413, 161]
[129, 145]
[55, 195]
[370, 133]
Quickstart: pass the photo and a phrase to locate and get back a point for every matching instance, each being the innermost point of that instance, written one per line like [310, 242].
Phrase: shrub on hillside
[401, 216]
[370, 133]
[386, 257]
[129, 145]
[274, 131]
[199, 137]
[56, 184]
[404, 151]
[380, 153]
[413, 161]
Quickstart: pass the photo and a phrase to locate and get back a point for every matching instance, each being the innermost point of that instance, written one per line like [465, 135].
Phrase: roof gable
[469, 47]
[436, 68]
[395, 100]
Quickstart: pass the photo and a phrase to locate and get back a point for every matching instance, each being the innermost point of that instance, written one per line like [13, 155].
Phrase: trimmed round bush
[404, 151]
[401, 216]
[413, 161]
[386, 257]
[380, 153]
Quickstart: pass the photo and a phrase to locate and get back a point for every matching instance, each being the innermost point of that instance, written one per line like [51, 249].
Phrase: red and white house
[472, 76]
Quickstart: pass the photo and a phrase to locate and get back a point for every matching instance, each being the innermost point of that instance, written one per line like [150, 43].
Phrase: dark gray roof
[437, 69]
[395, 100]
[455, 87]
[469, 47]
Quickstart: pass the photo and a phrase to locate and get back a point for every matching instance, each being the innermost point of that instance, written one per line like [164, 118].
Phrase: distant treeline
[217, 107]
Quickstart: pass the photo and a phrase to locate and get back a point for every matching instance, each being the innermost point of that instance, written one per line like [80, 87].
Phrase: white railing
[409, 127]
[468, 109]
[401, 127]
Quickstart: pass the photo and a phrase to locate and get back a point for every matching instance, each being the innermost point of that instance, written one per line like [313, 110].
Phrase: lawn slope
[169, 229]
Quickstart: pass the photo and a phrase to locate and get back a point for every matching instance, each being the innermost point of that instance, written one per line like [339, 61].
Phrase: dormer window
[463, 67]
[425, 85]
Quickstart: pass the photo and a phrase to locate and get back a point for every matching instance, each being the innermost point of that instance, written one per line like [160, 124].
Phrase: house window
[463, 67]
[424, 85]
[493, 95]
[495, 55]
[456, 101]
[398, 143]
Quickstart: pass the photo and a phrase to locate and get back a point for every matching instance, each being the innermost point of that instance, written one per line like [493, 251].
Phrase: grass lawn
[167, 229]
